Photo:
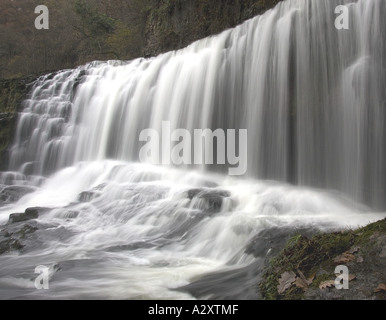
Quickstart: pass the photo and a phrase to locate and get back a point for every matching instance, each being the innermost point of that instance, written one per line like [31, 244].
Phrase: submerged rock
[10, 245]
[88, 196]
[12, 237]
[208, 200]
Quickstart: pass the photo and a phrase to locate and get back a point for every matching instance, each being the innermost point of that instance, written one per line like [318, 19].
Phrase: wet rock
[5, 117]
[29, 214]
[272, 240]
[226, 284]
[207, 193]
[20, 217]
[79, 80]
[12, 93]
[10, 245]
[26, 237]
[26, 230]
[69, 214]
[208, 200]
[12, 237]
[87, 196]
[132, 247]
[14, 193]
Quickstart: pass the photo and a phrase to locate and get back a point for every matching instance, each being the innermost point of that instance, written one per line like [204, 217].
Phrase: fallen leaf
[381, 287]
[354, 249]
[352, 277]
[300, 283]
[360, 259]
[286, 281]
[303, 277]
[344, 258]
[327, 284]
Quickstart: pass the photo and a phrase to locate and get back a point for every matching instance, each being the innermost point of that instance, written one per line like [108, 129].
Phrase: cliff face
[174, 24]
[12, 93]
[81, 31]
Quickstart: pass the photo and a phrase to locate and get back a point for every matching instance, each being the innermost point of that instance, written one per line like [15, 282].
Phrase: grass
[309, 254]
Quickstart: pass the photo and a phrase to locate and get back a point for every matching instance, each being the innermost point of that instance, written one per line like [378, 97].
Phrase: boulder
[29, 214]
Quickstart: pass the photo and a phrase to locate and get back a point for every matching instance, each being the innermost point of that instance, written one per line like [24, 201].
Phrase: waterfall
[311, 97]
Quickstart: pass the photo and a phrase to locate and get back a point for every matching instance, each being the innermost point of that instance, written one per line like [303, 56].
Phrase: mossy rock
[314, 258]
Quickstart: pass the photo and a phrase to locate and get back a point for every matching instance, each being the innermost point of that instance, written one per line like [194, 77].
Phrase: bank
[305, 268]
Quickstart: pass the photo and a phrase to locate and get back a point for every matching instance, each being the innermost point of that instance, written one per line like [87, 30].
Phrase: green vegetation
[85, 30]
[314, 258]
[79, 31]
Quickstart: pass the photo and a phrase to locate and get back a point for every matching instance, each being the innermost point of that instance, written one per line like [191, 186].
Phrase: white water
[143, 236]
[311, 98]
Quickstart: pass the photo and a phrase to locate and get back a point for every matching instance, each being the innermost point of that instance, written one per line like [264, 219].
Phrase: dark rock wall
[12, 93]
[174, 24]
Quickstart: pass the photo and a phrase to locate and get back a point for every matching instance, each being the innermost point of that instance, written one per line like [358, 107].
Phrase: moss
[321, 278]
[167, 8]
[364, 235]
[309, 254]
[268, 287]
[293, 293]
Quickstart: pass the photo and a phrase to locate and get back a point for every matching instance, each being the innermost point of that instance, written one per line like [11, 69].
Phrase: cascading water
[311, 98]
